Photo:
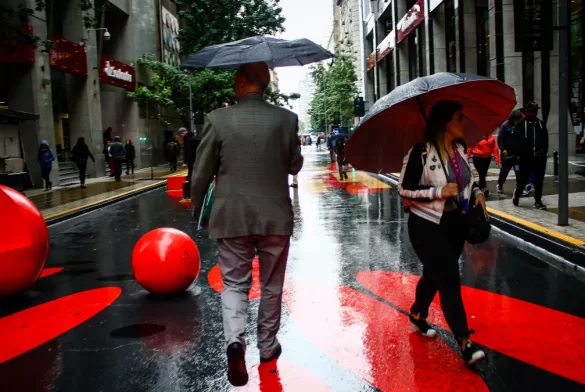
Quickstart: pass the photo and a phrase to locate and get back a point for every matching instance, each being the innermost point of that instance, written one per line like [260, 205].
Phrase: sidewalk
[62, 200]
[539, 227]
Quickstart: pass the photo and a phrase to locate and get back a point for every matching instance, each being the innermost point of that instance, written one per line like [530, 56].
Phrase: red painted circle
[165, 261]
[24, 242]
[216, 282]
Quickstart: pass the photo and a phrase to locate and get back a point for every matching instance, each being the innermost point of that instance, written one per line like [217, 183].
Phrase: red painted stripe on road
[216, 282]
[28, 329]
[282, 376]
[374, 341]
[543, 337]
[50, 271]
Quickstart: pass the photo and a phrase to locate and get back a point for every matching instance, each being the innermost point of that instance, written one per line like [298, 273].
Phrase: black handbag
[477, 225]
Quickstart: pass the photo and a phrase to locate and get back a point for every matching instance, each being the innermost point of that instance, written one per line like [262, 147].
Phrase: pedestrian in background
[437, 179]
[340, 153]
[250, 148]
[109, 159]
[117, 152]
[46, 157]
[172, 151]
[482, 158]
[508, 151]
[130, 151]
[80, 154]
[531, 141]
[190, 145]
[331, 147]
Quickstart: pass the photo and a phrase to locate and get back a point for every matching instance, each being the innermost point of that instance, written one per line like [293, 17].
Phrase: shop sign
[533, 25]
[117, 73]
[387, 45]
[69, 57]
[434, 4]
[414, 17]
[18, 53]
[371, 60]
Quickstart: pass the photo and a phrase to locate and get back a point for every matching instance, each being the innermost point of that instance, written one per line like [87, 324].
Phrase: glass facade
[483, 37]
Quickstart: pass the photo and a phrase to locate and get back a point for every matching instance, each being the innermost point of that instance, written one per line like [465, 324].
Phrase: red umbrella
[397, 121]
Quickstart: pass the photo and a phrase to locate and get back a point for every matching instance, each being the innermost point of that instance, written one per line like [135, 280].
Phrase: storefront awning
[7, 115]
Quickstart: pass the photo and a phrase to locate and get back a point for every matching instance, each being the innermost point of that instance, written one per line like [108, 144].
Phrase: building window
[451, 36]
[483, 37]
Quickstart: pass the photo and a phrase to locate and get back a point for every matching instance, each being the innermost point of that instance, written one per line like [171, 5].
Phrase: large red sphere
[24, 242]
[165, 261]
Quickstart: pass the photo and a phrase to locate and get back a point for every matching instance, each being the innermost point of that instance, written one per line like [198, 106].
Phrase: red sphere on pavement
[24, 242]
[165, 261]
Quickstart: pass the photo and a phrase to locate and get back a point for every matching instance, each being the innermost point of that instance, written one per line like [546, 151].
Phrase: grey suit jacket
[251, 147]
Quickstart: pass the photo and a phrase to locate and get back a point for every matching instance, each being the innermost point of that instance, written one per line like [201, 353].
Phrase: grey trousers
[235, 262]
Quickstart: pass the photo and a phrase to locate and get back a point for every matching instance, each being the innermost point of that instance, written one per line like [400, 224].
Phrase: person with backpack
[438, 181]
[46, 157]
[340, 152]
[531, 141]
[508, 150]
[172, 151]
[80, 154]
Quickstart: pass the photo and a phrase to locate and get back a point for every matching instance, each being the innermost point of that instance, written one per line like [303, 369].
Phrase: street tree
[335, 92]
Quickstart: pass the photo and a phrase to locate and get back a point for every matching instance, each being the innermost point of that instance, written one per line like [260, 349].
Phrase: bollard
[556, 163]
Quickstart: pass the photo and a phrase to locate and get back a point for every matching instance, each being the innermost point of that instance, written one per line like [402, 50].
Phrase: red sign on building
[387, 45]
[69, 57]
[117, 73]
[371, 60]
[414, 17]
[18, 53]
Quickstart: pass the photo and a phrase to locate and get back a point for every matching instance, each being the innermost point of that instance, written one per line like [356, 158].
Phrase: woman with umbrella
[436, 226]
[438, 114]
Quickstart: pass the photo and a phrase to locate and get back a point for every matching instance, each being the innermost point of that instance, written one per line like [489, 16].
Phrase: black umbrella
[272, 51]
[397, 121]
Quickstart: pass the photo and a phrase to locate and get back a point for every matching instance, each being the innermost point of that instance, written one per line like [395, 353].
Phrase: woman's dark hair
[80, 140]
[441, 114]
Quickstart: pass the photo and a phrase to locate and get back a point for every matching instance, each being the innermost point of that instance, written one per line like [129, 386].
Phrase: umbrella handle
[422, 110]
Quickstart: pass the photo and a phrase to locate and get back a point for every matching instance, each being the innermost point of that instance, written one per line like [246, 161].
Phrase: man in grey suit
[251, 148]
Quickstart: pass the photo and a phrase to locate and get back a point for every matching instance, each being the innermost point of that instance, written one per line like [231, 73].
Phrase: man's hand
[450, 190]
[184, 165]
[480, 199]
[505, 153]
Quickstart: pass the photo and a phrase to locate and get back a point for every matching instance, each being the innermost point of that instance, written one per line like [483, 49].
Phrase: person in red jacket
[482, 157]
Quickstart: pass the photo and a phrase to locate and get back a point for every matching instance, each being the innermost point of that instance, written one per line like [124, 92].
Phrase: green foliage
[12, 23]
[212, 22]
[211, 89]
[334, 93]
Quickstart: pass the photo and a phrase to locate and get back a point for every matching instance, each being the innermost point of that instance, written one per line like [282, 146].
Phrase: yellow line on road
[538, 228]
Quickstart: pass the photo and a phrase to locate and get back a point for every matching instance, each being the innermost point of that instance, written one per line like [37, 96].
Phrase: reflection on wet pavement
[351, 277]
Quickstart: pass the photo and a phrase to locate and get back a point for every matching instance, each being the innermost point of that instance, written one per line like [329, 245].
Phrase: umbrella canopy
[272, 51]
[397, 121]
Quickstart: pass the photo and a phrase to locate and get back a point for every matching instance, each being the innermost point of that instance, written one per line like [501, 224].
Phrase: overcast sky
[310, 19]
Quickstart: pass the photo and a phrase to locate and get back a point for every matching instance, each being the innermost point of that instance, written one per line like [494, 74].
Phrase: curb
[63, 216]
[571, 253]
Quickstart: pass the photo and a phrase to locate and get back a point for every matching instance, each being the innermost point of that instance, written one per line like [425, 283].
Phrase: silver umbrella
[272, 51]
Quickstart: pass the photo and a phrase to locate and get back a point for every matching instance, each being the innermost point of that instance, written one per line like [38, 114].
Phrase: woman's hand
[480, 199]
[450, 190]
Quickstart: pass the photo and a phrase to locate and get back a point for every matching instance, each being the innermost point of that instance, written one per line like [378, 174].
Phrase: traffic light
[359, 108]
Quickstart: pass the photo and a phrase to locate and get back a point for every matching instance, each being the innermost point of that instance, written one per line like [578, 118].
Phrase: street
[350, 283]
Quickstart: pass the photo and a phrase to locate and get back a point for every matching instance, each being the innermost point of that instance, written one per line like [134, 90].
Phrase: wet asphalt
[344, 326]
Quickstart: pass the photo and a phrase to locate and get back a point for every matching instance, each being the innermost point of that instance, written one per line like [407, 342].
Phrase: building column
[401, 49]
[512, 60]
[83, 94]
[552, 120]
[33, 95]
[470, 35]
[439, 39]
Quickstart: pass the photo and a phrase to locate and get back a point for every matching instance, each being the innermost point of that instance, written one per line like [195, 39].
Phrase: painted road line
[114, 197]
[364, 179]
[537, 227]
